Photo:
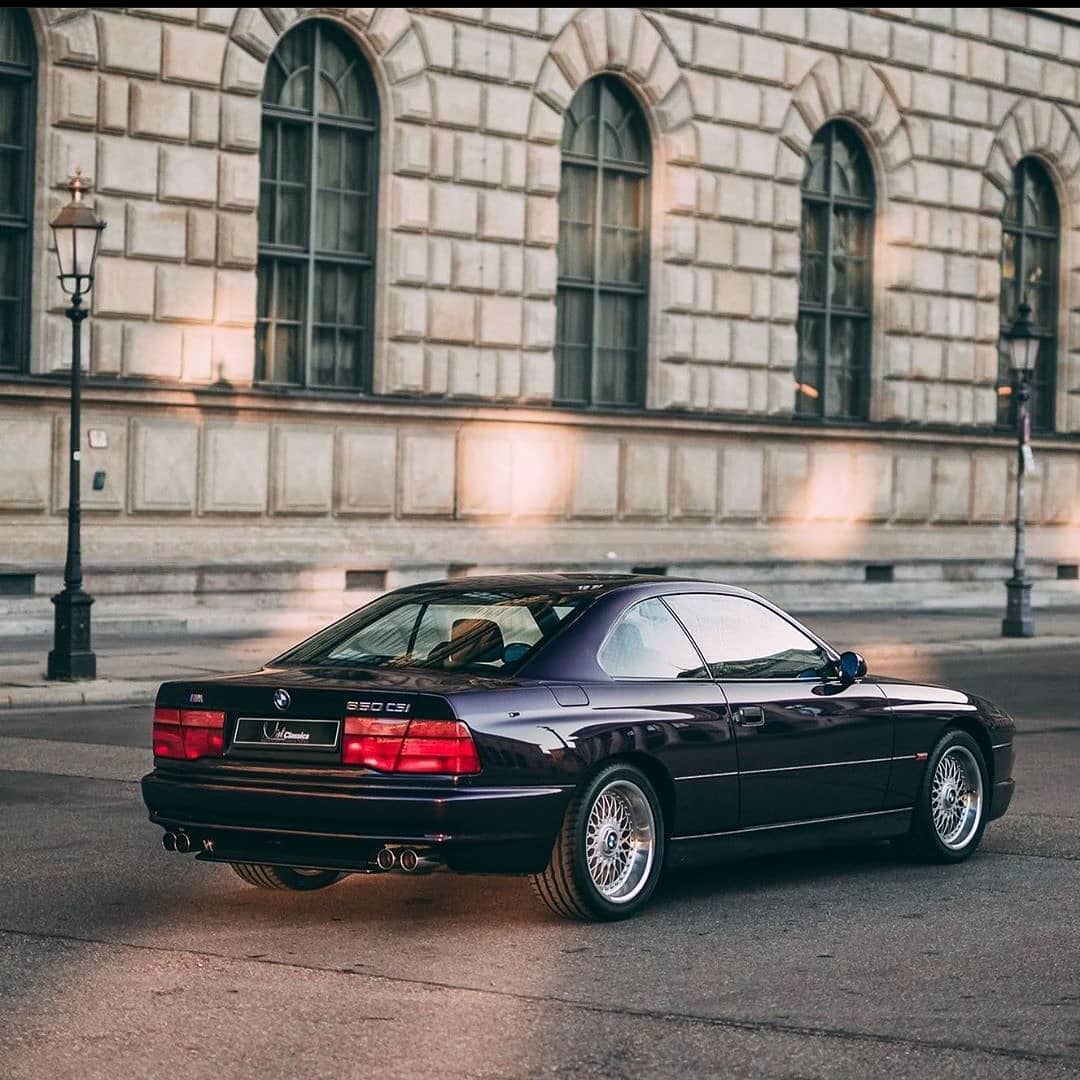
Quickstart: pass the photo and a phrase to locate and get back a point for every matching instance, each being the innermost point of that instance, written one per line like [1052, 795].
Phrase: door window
[647, 643]
[742, 639]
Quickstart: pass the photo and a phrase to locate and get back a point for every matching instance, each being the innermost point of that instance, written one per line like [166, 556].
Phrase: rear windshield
[489, 632]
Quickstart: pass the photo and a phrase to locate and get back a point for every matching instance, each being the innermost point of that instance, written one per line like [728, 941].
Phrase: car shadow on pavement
[753, 874]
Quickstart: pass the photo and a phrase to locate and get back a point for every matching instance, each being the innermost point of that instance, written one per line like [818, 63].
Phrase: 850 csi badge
[281, 699]
[399, 707]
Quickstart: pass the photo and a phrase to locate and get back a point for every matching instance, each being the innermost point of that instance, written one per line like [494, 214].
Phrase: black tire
[925, 841]
[566, 886]
[284, 877]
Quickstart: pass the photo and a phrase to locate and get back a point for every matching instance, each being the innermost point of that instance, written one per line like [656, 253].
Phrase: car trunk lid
[299, 716]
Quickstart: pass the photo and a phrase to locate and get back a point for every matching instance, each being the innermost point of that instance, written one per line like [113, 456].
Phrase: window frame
[22, 224]
[1045, 421]
[705, 677]
[595, 287]
[309, 256]
[830, 653]
[827, 310]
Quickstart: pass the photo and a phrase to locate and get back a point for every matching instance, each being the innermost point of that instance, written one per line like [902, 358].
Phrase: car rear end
[301, 768]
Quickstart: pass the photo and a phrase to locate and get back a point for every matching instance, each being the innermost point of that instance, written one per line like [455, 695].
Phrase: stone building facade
[451, 440]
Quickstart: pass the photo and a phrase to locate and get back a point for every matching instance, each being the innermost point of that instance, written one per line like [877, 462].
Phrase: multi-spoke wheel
[607, 858]
[619, 841]
[956, 797]
[950, 814]
[285, 877]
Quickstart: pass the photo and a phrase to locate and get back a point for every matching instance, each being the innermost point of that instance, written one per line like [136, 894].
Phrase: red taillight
[438, 746]
[371, 742]
[188, 733]
[202, 718]
[414, 746]
[168, 742]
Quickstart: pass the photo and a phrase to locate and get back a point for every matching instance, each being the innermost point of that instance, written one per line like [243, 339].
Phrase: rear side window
[742, 639]
[647, 643]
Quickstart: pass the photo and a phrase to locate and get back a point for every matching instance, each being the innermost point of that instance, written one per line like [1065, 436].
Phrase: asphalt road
[118, 960]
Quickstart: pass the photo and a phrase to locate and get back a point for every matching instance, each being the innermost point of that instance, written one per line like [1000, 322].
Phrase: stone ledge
[356, 406]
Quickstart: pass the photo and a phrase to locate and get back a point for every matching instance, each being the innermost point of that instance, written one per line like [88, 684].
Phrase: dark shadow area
[109, 725]
[737, 878]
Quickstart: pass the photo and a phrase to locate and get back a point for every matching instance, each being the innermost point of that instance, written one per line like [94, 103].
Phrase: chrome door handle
[750, 716]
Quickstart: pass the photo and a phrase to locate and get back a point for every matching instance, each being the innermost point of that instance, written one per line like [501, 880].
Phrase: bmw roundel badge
[281, 699]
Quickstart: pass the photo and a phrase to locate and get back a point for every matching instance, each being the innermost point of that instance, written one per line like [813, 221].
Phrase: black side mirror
[852, 666]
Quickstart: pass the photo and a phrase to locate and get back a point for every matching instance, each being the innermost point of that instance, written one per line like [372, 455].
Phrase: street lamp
[76, 231]
[1023, 349]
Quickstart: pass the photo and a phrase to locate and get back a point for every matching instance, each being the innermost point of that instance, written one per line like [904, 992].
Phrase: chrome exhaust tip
[168, 841]
[183, 843]
[417, 862]
[386, 858]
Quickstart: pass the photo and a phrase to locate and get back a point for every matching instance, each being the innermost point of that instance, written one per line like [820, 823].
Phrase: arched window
[603, 249]
[319, 174]
[835, 281]
[1029, 269]
[17, 100]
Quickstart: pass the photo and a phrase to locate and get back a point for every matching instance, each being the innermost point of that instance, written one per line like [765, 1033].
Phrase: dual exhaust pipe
[177, 841]
[408, 860]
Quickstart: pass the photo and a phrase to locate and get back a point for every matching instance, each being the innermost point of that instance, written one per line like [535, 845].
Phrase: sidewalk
[131, 667]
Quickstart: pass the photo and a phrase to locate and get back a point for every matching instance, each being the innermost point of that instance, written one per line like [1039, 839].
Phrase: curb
[214, 622]
[99, 692]
[897, 651]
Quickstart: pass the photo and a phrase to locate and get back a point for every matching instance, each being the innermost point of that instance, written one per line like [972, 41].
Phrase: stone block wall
[412, 484]
[161, 106]
[134, 97]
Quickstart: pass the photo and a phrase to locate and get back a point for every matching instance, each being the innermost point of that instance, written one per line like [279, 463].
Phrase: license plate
[277, 734]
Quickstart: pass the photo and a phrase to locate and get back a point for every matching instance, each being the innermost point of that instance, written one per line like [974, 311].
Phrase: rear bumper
[343, 825]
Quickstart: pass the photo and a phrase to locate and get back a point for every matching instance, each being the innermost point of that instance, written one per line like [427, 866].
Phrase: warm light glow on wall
[831, 510]
[514, 472]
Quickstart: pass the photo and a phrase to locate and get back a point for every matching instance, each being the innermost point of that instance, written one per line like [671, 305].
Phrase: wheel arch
[971, 726]
[658, 776]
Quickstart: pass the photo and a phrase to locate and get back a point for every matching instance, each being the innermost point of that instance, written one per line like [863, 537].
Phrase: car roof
[597, 583]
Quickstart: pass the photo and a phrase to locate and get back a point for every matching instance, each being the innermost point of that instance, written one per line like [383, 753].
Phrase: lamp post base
[1018, 621]
[71, 656]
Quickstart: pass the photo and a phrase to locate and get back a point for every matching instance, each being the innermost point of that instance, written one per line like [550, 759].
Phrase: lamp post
[76, 231]
[1023, 349]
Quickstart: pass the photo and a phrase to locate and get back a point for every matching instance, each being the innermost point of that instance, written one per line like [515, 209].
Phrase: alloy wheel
[956, 797]
[620, 839]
